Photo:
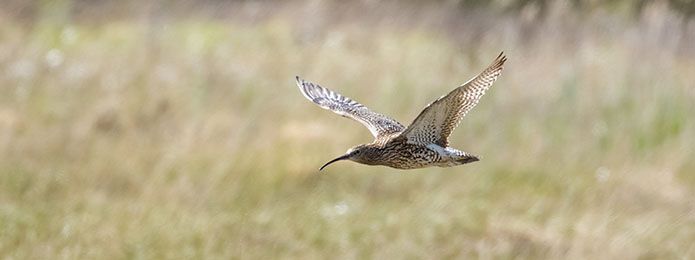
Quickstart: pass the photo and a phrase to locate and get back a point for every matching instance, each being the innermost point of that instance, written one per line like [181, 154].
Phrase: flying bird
[425, 142]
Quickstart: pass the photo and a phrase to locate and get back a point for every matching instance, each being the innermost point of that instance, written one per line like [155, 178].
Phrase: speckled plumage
[425, 142]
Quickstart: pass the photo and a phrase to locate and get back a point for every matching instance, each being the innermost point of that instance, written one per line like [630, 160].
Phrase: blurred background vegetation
[172, 129]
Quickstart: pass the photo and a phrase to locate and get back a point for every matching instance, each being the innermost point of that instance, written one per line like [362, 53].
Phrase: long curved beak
[343, 157]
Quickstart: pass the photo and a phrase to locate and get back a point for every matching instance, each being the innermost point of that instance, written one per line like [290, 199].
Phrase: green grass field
[189, 139]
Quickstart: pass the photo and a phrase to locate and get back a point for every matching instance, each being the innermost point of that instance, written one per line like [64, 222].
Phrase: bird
[425, 142]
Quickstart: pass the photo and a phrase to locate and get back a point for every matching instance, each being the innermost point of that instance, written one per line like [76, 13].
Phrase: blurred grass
[188, 138]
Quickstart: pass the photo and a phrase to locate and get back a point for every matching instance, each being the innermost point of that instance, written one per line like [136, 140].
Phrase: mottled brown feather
[436, 122]
[381, 126]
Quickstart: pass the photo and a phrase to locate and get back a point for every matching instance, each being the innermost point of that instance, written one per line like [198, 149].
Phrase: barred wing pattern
[436, 122]
[378, 124]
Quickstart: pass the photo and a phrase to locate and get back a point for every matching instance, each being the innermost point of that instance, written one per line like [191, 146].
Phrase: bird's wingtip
[300, 82]
[500, 60]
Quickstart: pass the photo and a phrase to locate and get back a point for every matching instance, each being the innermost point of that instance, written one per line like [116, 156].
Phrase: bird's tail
[460, 157]
[468, 158]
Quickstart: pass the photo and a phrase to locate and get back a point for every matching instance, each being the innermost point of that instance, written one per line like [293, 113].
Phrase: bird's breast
[408, 156]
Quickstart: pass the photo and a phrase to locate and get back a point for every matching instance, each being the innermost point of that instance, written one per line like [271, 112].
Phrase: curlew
[422, 144]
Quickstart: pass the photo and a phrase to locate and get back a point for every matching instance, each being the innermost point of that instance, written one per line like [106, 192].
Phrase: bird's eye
[358, 151]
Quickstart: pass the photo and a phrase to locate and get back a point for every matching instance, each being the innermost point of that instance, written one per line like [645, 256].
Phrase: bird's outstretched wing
[436, 122]
[378, 124]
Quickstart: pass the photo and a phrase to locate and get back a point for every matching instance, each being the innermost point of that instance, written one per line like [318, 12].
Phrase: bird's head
[363, 153]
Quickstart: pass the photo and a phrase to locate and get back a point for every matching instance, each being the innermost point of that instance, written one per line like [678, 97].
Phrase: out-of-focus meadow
[175, 129]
